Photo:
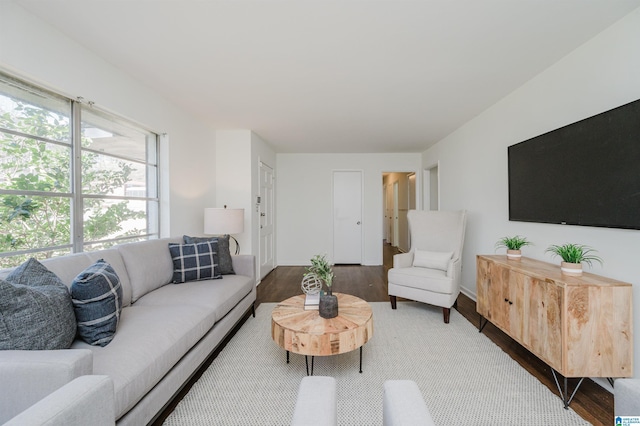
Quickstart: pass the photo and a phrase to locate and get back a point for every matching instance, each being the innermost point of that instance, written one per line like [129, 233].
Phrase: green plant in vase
[513, 246]
[573, 256]
[321, 268]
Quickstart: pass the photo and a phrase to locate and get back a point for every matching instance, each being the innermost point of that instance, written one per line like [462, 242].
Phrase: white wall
[233, 179]
[304, 202]
[238, 153]
[31, 49]
[600, 75]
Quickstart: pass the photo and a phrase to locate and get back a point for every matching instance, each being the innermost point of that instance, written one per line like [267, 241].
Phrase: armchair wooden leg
[446, 312]
[393, 302]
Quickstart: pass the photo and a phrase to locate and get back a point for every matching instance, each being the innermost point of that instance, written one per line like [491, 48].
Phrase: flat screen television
[586, 173]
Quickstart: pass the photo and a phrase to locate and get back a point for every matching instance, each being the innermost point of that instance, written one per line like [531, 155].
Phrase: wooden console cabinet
[579, 326]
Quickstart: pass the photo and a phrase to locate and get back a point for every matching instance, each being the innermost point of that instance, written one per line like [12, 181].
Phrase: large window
[72, 178]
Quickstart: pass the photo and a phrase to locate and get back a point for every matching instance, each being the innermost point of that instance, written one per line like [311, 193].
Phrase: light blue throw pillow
[97, 300]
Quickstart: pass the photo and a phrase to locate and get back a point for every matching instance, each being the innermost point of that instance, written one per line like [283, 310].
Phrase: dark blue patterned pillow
[35, 310]
[97, 300]
[194, 262]
[225, 263]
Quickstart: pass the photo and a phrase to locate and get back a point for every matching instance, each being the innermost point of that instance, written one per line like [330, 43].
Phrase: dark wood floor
[591, 402]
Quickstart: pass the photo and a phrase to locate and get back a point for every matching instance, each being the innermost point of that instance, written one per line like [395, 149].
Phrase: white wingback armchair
[430, 272]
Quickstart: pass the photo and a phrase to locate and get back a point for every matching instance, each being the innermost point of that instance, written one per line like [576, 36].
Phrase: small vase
[514, 254]
[328, 307]
[573, 269]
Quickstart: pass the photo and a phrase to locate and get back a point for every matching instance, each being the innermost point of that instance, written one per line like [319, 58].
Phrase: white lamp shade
[219, 221]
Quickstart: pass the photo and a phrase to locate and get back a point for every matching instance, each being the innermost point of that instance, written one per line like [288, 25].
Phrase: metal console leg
[482, 324]
[566, 400]
[360, 359]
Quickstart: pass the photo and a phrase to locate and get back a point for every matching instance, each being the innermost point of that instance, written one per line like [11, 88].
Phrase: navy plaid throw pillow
[194, 262]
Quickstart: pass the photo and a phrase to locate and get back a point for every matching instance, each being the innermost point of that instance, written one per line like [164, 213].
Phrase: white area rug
[464, 377]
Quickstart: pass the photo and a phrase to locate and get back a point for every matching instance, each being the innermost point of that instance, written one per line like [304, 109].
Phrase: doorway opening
[431, 188]
[399, 196]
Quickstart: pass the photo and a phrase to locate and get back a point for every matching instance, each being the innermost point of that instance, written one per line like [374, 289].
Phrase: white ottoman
[317, 402]
[403, 405]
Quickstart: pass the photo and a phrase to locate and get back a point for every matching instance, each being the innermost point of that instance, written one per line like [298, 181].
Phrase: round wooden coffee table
[305, 332]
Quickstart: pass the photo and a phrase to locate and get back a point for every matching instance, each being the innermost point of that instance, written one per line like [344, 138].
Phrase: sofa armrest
[403, 260]
[403, 404]
[626, 397]
[317, 402]
[244, 264]
[87, 400]
[29, 376]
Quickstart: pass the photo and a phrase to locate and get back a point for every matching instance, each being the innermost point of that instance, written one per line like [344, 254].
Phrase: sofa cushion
[194, 262]
[148, 264]
[97, 301]
[68, 266]
[29, 376]
[35, 310]
[218, 297]
[224, 254]
[149, 342]
[432, 259]
[421, 278]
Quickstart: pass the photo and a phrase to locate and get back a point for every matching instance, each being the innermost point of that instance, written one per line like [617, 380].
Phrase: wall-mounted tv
[586, 173]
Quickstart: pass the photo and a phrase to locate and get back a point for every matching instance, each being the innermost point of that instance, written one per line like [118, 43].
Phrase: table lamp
[222, 221]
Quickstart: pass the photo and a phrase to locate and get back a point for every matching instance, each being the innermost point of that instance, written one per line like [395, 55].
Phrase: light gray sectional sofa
[626, 397]
[165, 332]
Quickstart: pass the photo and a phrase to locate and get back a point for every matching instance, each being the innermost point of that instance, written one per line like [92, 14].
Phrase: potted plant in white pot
[513, 246]
[573, 256]
[321, 268]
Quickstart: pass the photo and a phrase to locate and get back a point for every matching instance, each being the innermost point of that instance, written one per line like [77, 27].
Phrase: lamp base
[237, 245]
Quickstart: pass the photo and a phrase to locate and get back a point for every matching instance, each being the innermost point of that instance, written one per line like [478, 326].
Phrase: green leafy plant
[513, 243]
[575, 253]
[321, 268]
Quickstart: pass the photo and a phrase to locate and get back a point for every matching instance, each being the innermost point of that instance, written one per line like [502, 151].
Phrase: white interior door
[347, 217]
[385, 228]
[267, 212]
[396, 214]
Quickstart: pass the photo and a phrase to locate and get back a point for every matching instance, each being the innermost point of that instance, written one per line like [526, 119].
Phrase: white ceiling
[333, 76]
